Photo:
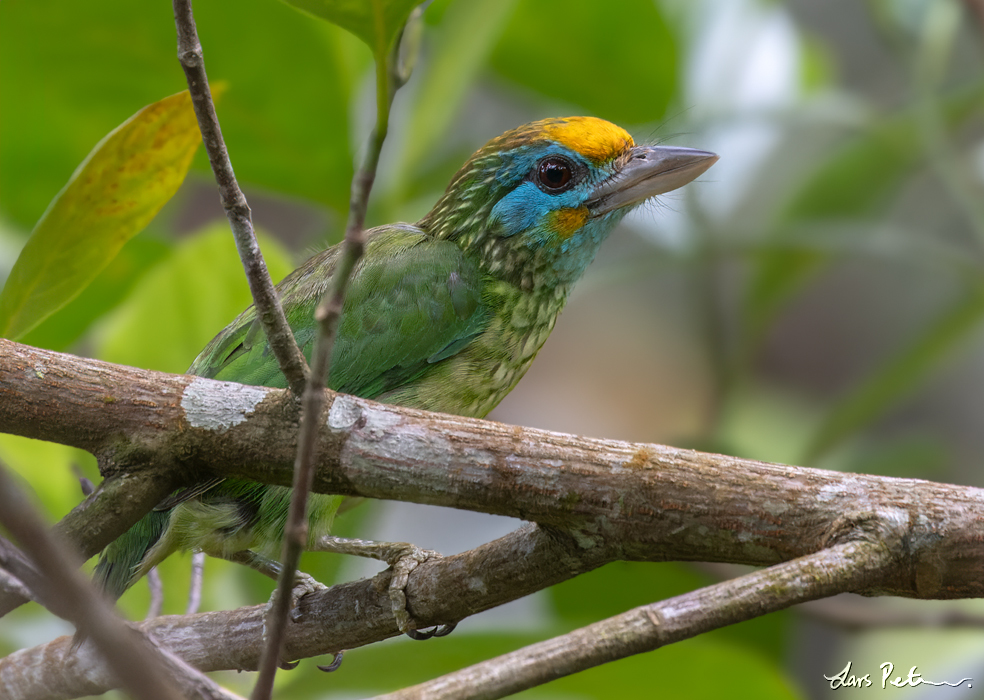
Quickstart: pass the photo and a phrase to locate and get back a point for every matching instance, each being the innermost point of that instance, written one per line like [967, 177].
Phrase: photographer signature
[846, 679]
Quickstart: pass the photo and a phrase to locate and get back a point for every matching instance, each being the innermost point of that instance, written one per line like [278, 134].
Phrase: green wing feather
[412, 301]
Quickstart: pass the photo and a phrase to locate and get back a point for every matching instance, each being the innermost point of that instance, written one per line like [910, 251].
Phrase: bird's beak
[648, 171]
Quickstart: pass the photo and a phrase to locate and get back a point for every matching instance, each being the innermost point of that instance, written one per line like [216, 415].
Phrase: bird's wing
[412, 301]
[182, 495]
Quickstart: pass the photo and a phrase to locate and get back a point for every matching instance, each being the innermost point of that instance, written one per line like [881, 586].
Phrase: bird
[444, 315]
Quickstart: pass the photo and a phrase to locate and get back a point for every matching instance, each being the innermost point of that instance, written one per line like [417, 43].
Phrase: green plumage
[445, 316]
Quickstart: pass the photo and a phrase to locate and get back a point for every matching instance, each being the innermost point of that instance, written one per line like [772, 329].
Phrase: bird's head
[538, 201]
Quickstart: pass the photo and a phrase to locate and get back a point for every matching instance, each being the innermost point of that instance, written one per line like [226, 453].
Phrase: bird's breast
[474, 381]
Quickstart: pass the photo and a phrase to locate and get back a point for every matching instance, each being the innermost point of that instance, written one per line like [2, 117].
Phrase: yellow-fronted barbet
[444, 315]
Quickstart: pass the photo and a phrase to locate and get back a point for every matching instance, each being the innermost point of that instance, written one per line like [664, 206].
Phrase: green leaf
[179, 305]
[286, 122]
[901, 374]
[616, 61]
[107, 291]
[110, 198]
[376, 22]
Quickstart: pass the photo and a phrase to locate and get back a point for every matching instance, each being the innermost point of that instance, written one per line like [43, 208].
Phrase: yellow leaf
[111, 197]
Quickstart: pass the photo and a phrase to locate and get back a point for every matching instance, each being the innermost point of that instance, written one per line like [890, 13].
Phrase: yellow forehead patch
[566, 222]
[594, 138]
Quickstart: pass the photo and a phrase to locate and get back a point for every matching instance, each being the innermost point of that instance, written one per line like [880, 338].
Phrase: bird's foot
[303, 585]
[403, 558]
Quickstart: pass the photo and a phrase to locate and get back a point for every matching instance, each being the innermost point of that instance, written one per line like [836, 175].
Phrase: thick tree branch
[649, 501]
[268, 308]
[598, 500]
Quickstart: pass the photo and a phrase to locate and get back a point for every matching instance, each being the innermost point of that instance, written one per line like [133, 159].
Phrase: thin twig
[20, 578]
[84, 482]
[13, 585]
[268, 308]
[117, 503]
[858, 613]
[65, 589]
[195, 588]
[389, 79]
[847, 566]
[156, 593]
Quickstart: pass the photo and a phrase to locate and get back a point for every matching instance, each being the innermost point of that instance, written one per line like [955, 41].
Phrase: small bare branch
[344, 616]
[265, 298]
[842, 567]
[195, 588]
[12, 585]
[389, 78]
[156, 593]
[857, 613]
[115, 505]
[18, 578]
[65, 590]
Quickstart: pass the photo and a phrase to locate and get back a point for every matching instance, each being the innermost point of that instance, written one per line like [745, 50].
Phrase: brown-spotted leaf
[111, 197]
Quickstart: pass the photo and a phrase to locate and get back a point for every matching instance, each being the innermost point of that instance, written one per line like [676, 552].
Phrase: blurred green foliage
[826, 274]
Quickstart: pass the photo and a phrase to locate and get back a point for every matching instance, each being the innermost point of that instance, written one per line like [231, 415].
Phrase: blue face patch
[527, 211]
[527, 206]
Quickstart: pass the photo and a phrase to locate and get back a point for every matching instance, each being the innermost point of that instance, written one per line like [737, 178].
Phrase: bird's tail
[121, 559]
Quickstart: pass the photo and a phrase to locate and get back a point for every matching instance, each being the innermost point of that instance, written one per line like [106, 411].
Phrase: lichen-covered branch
[595, 500]
[343, 617]
[650, 501]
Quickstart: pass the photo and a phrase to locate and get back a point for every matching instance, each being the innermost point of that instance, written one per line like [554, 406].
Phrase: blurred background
[816, 298]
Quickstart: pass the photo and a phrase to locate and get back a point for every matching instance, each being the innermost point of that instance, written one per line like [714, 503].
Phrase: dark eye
[554, 174]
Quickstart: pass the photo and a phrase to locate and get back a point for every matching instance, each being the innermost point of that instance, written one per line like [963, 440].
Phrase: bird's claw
[403, 558]
[303, 585]
[439, 631]
[403, 563]
[335, 663]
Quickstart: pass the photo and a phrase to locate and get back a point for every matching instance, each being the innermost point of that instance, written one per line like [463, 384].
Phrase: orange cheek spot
[566, 222]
